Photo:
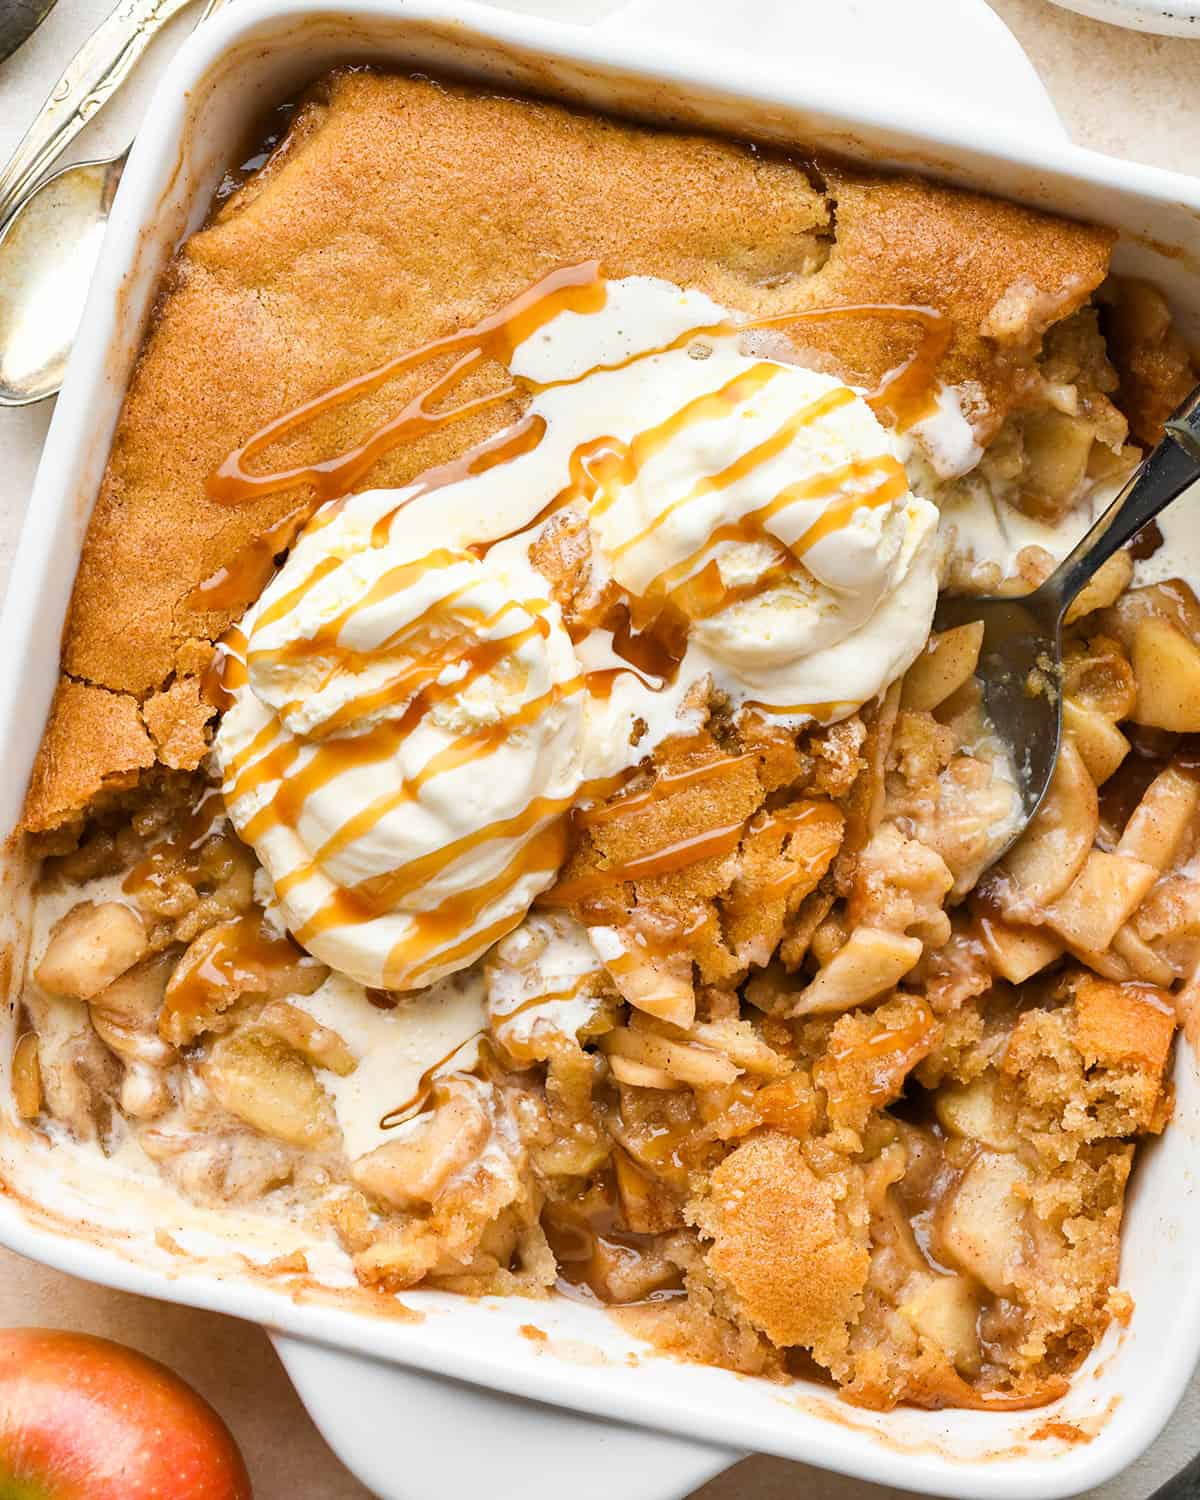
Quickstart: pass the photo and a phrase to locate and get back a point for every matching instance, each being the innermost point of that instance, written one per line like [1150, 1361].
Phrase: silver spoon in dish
[51, 231]
[1020, 658]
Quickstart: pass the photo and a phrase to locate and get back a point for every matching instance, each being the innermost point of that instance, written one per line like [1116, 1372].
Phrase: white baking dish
[1179, 19]
[418, 1405]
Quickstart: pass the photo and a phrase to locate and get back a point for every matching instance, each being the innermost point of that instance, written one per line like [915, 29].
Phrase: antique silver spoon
[1022, 639]
[51, 230]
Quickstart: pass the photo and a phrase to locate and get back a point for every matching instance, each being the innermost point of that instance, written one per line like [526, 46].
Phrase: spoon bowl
[1020, 659]
[1017, 672]
[48, 254]
[51, 230]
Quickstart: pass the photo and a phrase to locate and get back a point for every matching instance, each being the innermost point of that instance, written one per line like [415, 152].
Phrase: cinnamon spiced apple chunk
[524, 833]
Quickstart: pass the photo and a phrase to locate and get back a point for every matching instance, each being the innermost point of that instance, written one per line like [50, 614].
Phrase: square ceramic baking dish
[480, 1397]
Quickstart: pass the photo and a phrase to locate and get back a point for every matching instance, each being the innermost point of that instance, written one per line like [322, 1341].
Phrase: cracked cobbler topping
[524, 830]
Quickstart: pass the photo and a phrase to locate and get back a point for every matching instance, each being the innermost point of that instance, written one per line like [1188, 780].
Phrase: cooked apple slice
[625, 1070]
[947, 661]
[27, 1077]
[869, 964]
[225, 963]
[946, 1310]
[694, 1065]
[1166, 665]
[1143, 962]
[977, 1111]
[436, 1147]
[1018, 953]
[1108, 963]
[982, 1227]
[1104, 587]
[1098, 740]
[90, 947]
[1052, 850]
[1097, 675]
[136, 997]
[1163, 818]
[322, 1046]
[263, 1082]
[659, 984]
[1102, 898]
[1172, 600]
[1057, 446]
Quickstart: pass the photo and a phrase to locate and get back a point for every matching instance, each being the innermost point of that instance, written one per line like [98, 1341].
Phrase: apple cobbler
[504, 806]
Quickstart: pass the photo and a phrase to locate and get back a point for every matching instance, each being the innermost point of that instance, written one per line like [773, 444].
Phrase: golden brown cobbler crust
[794, 1244]
[400, 209]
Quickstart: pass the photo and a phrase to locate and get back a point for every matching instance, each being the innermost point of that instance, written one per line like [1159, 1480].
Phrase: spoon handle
[92, 76]
[1167, 471]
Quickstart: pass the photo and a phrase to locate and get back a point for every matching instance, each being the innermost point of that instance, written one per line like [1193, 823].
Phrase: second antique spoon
[51, 233]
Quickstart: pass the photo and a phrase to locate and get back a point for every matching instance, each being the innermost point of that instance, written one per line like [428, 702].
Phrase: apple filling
[824, 1090]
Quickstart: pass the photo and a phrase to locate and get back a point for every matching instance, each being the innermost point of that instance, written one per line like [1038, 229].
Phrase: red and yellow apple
[82, 1418]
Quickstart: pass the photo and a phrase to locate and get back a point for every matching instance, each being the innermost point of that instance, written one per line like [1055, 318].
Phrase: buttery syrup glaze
[595, 1249]
[437, 655]
[240, 954]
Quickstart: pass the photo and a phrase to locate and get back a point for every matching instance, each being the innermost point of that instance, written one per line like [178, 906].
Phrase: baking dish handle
[931, 49]
[408, 1435]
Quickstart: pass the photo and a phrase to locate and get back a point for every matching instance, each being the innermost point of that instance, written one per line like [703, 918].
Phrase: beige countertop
[1127, 94]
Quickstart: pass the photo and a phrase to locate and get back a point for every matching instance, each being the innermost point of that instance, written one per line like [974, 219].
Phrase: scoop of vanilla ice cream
[783, 481]
[794, 646]
[403, 749]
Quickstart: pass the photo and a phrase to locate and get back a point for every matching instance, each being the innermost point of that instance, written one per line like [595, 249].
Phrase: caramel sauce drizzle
[519, 1049]
[419, 1098]
[904, 395]
[818, 711]
[242, 959]
[417, 678]
[226, 670]
[650, 630]
[550, 997]
[576, 288]
[694, 587]
[649, 633]
[513, 443]
[672, 857]
[439, 934]
[247, 574]
[789, 820]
